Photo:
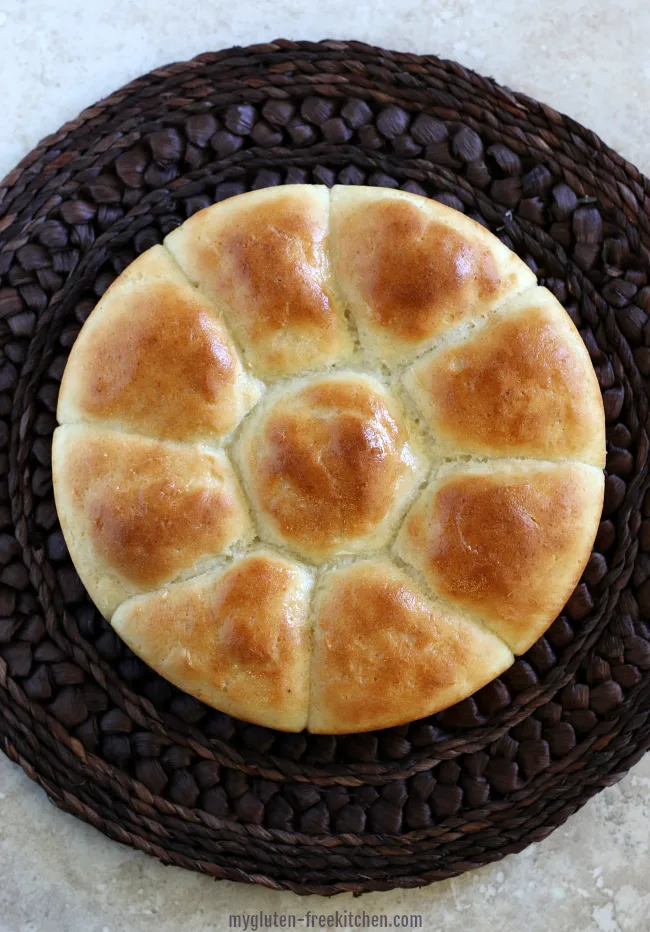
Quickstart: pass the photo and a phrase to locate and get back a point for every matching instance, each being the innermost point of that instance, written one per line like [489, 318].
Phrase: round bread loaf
[329, 459]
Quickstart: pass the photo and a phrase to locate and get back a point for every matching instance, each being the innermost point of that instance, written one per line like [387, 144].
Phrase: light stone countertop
[587, 59]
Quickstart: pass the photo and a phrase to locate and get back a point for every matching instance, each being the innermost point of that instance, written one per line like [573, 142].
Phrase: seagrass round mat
[117, 746]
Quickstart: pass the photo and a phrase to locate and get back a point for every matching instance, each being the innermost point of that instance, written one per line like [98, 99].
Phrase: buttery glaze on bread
[328, 466]
[505, 540]
[522, 384]
[237, 638]
[263, 260]
[410, 269]
[154, 336]
[137, 513]
[329, 459]
[385, 653]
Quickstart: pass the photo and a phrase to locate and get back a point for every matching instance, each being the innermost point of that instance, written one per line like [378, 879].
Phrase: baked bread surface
[329, 459]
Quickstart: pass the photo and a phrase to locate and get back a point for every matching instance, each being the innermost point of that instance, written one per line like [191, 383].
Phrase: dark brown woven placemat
[116, 745]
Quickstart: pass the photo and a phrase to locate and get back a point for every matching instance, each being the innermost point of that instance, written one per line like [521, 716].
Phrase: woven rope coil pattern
[115, 744]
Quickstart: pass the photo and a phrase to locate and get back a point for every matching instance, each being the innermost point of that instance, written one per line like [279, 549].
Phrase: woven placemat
[117, 746]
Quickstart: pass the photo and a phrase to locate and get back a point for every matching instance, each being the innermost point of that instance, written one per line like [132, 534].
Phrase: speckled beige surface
[588, 59]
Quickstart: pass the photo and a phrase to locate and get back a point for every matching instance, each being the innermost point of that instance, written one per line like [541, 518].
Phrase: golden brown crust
[521, 385]
[136, 513]
[506, 541]
[154, 336]
[410, 269]
[327, 464]
[263, 258]
[331, 461]
[237, 638]
[384, 654]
